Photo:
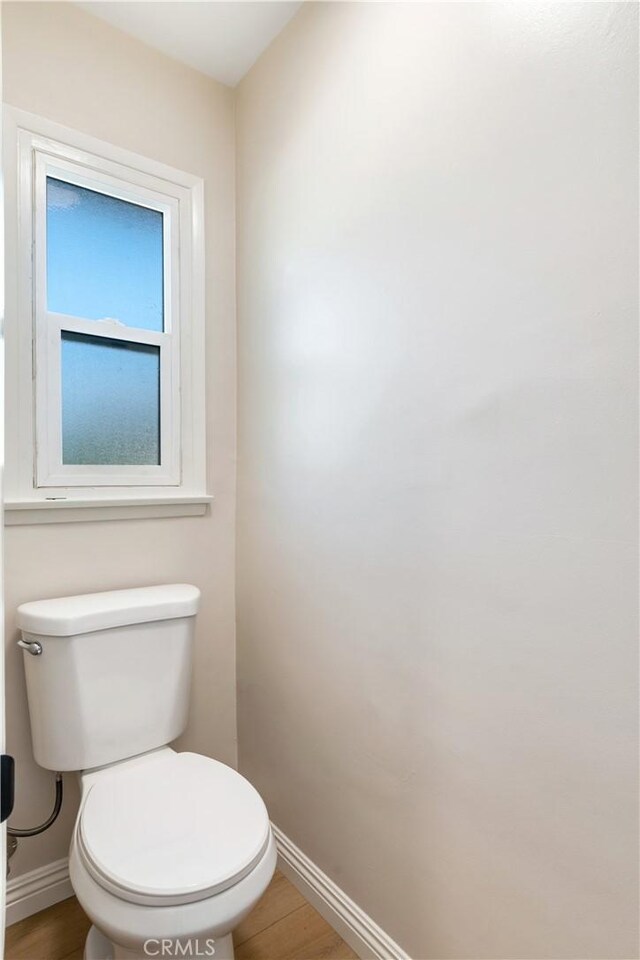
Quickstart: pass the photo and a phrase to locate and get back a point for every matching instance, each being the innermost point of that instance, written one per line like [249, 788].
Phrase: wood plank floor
[282, 926]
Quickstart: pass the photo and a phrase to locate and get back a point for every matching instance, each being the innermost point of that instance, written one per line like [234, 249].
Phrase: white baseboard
[37, 889]
[346, 917]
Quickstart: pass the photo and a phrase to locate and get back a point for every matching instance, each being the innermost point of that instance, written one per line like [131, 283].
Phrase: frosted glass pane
[110, 401]
[104, 257]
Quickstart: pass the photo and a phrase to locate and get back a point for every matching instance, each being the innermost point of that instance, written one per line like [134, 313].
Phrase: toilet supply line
[13, 833]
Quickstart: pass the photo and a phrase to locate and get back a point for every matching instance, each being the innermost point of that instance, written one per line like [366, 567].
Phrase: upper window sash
[75, 174]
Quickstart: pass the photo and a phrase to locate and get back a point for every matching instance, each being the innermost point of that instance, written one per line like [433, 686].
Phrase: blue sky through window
[104, 257]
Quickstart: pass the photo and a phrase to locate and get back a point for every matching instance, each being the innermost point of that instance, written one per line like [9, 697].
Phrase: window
[107, 330]
[105, 327]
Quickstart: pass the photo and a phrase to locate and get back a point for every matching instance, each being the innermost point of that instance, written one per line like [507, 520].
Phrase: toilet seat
[177, 829]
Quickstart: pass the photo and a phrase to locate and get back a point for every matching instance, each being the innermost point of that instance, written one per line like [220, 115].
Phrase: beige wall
[436, 538]
[63, 64]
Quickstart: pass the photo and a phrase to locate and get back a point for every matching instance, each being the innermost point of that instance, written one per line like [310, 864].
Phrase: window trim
[27, 137]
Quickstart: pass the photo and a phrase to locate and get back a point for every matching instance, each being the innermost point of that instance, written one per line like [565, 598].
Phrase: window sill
[74, 510]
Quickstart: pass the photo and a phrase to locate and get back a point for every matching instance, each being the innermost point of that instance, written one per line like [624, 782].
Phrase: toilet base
[98, 947]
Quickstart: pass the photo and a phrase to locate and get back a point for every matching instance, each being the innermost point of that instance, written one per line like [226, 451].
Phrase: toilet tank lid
[68, 616]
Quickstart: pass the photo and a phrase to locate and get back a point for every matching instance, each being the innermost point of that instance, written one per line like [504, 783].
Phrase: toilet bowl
[170, 851]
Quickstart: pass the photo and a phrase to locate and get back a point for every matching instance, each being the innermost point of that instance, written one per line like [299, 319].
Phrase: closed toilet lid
[175, 830]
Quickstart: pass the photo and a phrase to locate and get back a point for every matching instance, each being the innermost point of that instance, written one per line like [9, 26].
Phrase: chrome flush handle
[31, 646]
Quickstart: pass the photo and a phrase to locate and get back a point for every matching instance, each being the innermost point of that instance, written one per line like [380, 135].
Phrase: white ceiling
[221, 39]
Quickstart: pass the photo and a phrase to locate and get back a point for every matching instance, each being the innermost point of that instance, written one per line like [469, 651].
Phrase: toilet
[170, 851]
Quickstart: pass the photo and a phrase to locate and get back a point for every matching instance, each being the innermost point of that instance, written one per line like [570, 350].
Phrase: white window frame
[39, 487]
[50, 470]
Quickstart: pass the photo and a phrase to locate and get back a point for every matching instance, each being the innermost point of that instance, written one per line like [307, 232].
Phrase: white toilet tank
[113, 677]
